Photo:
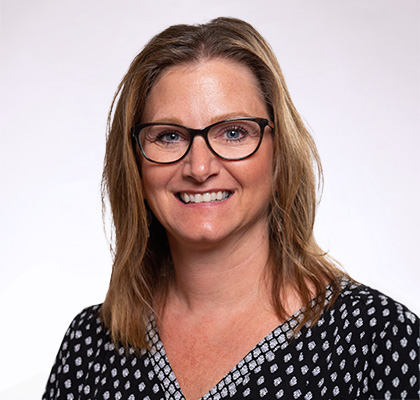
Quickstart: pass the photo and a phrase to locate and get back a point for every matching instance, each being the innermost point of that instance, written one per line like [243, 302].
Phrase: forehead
[204, 91]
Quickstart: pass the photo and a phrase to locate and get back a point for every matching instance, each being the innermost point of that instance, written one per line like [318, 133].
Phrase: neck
[222, 277]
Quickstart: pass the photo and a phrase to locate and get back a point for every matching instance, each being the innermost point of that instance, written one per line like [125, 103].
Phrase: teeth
[205, 197]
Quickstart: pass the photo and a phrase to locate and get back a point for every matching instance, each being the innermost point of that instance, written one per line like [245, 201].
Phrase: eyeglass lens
[229, 139]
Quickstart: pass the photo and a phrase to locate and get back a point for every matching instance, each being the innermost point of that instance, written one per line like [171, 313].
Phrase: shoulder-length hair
[142, 261]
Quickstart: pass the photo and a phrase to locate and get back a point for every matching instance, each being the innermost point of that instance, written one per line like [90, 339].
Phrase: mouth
[207, 197]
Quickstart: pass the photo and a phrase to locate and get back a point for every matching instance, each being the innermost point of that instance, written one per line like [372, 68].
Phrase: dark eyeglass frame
[135, 135]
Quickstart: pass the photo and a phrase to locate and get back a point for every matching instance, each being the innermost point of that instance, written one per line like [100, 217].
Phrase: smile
[204, 197]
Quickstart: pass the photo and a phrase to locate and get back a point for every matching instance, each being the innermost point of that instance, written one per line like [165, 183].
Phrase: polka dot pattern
[365, 346]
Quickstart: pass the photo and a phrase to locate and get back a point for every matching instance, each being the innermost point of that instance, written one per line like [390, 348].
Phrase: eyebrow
[230, 115]
[213, 120]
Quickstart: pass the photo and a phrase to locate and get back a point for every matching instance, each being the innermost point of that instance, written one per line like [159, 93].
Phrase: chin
[204, 238]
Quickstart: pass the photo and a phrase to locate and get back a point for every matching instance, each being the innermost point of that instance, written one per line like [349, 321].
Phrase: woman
[218, 286]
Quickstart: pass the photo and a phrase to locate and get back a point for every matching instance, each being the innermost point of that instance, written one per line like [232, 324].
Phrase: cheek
[151, 185]
[150, 181]
[151, 194]
[263, 181]
[156, 180]
[262, 171]
[256, 180]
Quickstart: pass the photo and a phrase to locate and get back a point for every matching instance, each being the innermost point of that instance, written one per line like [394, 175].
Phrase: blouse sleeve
[395, 350]
[68, 364]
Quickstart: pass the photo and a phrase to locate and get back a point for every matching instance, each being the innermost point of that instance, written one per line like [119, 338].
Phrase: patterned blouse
[366, 346]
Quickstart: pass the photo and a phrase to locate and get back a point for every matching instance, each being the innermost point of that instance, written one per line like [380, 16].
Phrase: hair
[142, 261]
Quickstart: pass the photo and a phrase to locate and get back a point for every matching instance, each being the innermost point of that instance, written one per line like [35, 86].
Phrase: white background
[353, 70]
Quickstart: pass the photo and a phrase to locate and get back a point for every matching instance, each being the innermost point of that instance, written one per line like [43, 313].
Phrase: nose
[200, 163]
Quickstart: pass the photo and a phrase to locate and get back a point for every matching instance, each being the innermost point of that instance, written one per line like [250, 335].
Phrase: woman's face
[197, 95]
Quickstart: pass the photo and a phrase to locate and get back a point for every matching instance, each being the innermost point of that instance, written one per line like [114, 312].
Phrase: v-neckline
[264, 350]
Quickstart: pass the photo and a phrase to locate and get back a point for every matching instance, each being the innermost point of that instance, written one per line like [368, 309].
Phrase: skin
[218, 305]
[196, 96]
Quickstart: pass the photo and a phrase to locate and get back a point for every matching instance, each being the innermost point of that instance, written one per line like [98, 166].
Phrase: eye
[165, 135]
[168, 137]
[233, 133]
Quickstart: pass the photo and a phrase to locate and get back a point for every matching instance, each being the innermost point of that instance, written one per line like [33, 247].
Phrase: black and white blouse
[366, 346]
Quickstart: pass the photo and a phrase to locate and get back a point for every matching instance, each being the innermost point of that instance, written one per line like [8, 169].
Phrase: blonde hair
[142, 261]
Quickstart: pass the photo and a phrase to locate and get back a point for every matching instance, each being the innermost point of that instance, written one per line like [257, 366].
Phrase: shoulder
[375, 335]
[364, 303]
[389, 337]
[84, 328]
[84, 334]
[87, 319]
[80, 344]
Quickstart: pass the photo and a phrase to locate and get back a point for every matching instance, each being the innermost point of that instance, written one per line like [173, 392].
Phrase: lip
[203, 197]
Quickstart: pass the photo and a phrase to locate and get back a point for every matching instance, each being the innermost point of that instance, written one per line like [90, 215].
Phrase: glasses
[233, 139]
